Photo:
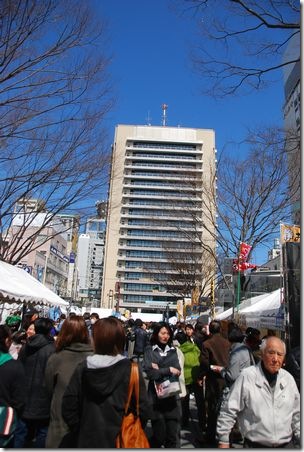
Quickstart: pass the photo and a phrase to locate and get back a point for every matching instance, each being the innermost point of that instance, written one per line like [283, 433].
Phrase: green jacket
[192, 362]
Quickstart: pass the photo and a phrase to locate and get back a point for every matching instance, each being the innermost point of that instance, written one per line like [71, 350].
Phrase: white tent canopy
[16, 285]
[266, 313]
[254, 311]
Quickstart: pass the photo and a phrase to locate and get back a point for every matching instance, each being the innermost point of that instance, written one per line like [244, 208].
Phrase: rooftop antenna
[148, 119]
[164, 117]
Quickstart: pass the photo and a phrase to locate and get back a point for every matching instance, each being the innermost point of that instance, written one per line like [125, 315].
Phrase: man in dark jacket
[141, 339]
[34, 355]
[215, 352]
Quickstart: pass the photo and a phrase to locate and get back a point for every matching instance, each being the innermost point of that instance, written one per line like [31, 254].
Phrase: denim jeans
[30, 433]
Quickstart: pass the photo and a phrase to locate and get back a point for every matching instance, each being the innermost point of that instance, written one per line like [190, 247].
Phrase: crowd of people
[67, 381]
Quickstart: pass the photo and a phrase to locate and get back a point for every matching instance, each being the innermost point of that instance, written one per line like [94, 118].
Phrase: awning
[16, 285]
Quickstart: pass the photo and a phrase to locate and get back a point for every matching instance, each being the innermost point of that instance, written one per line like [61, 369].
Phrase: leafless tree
[54, 96]
[246, 198]
[188, 271]
[253, 192]
[242, 42]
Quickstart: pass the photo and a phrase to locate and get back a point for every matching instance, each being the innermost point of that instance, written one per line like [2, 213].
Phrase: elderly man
[265, 400]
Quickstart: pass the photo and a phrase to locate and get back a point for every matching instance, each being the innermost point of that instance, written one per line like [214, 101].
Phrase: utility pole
[212, 298]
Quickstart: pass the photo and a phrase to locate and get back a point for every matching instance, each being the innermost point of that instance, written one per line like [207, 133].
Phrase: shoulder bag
[8, 421]
[8, 416]
[168, 387]
[132, 435]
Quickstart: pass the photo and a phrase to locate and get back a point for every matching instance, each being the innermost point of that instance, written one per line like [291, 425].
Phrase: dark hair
[157, 327]
[109, 337]
[253, 336]
[181, 337]
[188, 325]
[95, 315]
[250, 332]
[19, 337]
[43, 325]
[73, 330]
[86, 315]
[214, 327]
[138, 322]
[235, 335]
[5, 333]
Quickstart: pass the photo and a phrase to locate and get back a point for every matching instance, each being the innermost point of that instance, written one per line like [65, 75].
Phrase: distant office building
[292, 120]
[156, 221]
[90, 257]
[47, 259]
[71, 228]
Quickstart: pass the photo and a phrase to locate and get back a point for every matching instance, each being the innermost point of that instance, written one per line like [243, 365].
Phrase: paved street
[192, 437]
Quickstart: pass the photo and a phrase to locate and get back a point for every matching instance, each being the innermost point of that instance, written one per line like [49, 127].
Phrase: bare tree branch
[242, 42]
[54, 96]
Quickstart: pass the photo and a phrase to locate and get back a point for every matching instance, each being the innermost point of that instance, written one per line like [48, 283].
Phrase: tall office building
[292, 120]
[89, 262]
[157, 225]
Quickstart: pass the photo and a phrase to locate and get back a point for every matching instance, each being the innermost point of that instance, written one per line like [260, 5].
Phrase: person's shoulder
[12, 366]
[251, 372]
[285, 375]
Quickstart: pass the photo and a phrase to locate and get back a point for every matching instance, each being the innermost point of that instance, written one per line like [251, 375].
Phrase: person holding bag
[162, 367]
[93, 405]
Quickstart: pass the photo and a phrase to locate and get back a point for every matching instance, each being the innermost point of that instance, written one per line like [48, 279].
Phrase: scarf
[4, 357]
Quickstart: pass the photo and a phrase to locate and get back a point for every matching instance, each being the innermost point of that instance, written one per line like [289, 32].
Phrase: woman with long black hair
[162, 367]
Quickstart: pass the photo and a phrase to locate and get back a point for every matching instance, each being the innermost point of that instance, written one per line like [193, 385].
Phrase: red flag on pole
[244, 251]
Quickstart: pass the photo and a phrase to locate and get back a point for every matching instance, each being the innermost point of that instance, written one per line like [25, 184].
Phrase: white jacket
[266, 417]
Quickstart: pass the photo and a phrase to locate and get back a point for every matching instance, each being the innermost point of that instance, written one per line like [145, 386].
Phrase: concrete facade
[156, 212]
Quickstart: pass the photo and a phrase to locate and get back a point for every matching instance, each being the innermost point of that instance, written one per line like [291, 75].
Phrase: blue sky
[151, 65]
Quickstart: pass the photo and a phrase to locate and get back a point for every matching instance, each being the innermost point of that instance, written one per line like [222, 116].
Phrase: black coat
[141, 341]
[168, 407]
[93, 403]
[12, 385]
[34, 355]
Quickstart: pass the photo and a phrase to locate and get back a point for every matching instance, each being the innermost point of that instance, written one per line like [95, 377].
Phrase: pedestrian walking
[162, 368]
[32, 427]
[241, 354]
[191, 368]
[266, 402]
[215, 352]
[12, 378]
[73, 344]
[141, 339]
[240, 357]
[95, 398]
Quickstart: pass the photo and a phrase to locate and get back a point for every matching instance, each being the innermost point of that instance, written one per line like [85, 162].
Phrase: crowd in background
[67, 381]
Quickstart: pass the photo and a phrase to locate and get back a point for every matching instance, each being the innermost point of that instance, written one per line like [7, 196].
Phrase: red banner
[241, 265]
[244, 251]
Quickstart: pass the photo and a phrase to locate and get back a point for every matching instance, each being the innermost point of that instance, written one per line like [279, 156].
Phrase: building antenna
[148, 119]
[164, 117]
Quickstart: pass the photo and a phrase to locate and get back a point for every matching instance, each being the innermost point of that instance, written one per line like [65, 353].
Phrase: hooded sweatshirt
[93, 403]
